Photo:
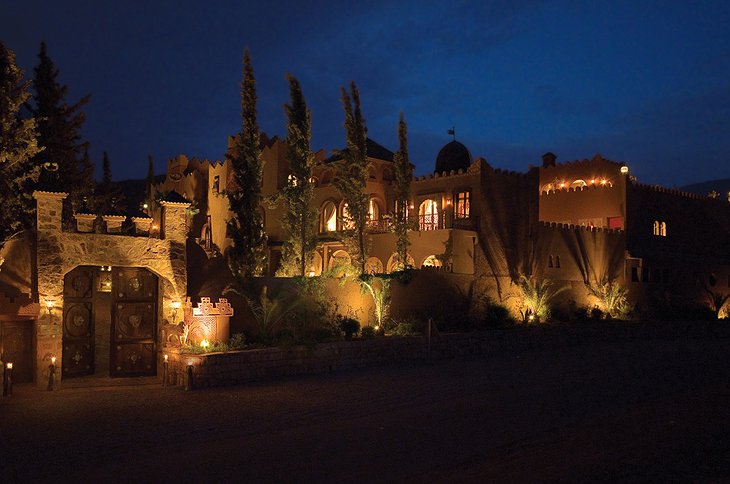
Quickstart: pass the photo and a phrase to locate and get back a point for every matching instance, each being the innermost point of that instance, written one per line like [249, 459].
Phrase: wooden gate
[78, 322]
[134, 322]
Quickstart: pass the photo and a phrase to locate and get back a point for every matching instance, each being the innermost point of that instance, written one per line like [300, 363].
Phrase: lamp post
[52, 374]
[164, 372]
[8, 380]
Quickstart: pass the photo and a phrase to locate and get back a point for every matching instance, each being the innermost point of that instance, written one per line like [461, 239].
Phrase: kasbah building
[106, 304]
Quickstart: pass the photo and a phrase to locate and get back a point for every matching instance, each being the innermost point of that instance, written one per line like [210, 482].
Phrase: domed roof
[453, 156]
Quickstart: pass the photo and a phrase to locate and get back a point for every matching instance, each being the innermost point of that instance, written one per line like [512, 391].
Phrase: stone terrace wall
[219, 369]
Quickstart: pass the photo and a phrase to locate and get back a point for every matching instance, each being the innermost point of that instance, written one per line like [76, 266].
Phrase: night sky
[647, 83]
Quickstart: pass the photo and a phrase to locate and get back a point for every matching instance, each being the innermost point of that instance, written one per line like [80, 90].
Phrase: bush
[367, 332]
[409, 326]
[497, 317]
[349, 326]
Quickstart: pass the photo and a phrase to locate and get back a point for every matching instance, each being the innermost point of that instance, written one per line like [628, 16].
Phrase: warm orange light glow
[154, 227]
[9, 366]
[593, 181]
[603, 182]
[175, 305]
[562, 185]
[50, 303]
[624, 169]
[165, 358]
[204, 344]
[53, 360]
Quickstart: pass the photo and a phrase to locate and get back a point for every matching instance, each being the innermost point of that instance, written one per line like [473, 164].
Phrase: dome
[453, 156]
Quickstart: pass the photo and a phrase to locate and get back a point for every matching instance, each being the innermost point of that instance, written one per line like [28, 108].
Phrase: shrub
[409, 326]
[367, 332]
[612, 298]
[349, 326]
[535, 298]
[497, 317]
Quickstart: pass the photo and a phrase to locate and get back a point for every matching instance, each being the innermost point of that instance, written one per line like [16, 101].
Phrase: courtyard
[627, 411]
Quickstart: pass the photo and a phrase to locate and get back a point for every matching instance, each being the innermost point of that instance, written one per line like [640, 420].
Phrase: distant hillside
[720, 186]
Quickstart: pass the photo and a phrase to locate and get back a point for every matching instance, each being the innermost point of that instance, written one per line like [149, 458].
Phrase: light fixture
[9, 366]
[50, 303]
[175, 306]
[53, 360]
[204, 344]
[603, 182]
[624, 169]
[165, 358]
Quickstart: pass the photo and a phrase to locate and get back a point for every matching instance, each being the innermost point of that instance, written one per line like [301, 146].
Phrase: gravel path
[636, 412]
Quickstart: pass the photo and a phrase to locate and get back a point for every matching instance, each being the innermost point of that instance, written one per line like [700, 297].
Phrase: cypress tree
[247, 255]
[352, 175]
[149, 196]
[109, 200]
[58, 129]
[403, 177]
[87, 185]
[18, 145]
[300, 218]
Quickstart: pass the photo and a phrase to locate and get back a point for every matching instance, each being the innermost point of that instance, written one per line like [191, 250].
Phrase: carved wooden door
[78, 322]
[134, 322]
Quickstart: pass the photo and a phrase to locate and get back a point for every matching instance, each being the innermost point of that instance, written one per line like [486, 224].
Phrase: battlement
[672, 191]
[584, 163]
[592, 187]
[581, 228]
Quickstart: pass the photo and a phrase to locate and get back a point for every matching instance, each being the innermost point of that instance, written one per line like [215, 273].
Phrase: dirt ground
[629, 412]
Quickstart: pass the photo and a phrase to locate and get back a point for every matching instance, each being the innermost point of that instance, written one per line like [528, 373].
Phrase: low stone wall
[219, 369]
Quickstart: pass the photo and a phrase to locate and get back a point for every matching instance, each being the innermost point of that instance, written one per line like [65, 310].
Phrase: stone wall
[219, 369]
[59, 252]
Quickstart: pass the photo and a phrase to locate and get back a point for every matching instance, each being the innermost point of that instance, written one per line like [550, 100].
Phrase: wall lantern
[624, 169]
[175, 306]
[50, 303]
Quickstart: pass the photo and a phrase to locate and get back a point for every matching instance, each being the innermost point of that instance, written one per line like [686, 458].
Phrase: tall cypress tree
[109, 199]
[403, 177]
[352, 175]
[18, 145]
[247, 255]
[300, 218]
[149, 196]
[58, 129]
[87, 185]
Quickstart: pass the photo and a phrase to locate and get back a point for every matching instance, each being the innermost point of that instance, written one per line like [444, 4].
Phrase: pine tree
[18, 145]
[58, 129]
[403, 176]
[300, 218]
[352, 175]
[247, 255]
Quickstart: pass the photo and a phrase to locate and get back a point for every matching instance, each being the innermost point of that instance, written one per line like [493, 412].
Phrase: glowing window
[339, 259]
[547, 188]
[428, 215]
[373, 266]
[461, 210]
[431, 261]
[329, 217]
[663, 229]
[394, 263]
[656, 228]
[578, 184]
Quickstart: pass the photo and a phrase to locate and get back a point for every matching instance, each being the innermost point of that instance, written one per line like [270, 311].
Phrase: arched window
[663, 229]
[656, 227]
[373, 266]
[315, 268]
[338, 261]
[431, 261]
[547, 188]
[329, 217]
[394, 264]
[428, 215]
[578, 184]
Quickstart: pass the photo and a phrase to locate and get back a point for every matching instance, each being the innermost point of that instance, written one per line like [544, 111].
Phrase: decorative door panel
[17, 340]
[78, 322]
[131, 283]
[78, 358]
[134, 322]
[134, 359]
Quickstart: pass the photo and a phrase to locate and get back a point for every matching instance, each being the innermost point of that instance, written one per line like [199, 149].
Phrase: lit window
[663, 229]
[462, 205]
[329, 217]
[578, 184]
[216, 184]
[656, 227]
[428, 215]
[431, 261]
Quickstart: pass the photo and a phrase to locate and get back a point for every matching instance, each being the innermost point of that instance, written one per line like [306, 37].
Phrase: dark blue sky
[647, 83]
